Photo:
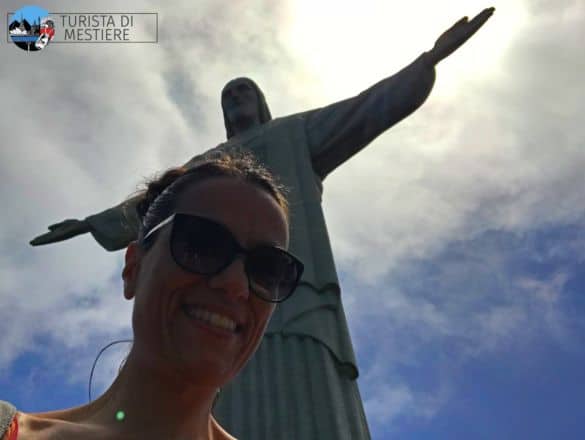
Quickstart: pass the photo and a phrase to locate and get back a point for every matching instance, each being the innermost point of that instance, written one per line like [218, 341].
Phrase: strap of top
[7, 412]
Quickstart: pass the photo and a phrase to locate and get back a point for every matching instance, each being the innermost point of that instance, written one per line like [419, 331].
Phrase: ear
[131, 269]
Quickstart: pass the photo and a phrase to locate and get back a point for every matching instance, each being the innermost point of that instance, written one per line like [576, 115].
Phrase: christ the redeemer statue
[301, 384]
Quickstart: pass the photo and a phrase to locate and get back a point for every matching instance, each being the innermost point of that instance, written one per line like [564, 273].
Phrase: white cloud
[389, 402]
[501, 151]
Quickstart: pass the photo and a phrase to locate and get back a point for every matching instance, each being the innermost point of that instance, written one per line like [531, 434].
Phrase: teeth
[211, 318]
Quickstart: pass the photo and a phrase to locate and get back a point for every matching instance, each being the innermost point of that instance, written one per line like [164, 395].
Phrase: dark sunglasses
[205, 247]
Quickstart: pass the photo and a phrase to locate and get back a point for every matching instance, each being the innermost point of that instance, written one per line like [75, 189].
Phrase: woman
[204, 274]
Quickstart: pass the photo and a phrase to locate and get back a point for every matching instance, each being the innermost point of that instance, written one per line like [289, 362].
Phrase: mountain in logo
[17, 24]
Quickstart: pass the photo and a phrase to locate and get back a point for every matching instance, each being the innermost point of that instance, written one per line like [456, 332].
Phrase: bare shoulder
[43, 427]
[33, 427]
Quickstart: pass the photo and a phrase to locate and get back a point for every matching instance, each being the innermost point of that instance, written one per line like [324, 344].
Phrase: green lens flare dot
[120, 415]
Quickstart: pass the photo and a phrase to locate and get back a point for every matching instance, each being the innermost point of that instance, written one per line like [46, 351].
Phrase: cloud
[390, 402]
[501, 295]
[503, 151]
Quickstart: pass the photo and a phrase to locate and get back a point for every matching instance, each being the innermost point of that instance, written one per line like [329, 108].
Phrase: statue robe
[302, 149]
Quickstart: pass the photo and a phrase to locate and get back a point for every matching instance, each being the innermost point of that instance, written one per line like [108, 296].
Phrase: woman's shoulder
[27, 426]
[15, 424]
[18, 425]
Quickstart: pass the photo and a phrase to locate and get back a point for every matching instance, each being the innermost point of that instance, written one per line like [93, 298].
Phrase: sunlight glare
[348, 45]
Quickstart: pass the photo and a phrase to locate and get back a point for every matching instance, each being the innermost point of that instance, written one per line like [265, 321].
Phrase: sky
[459, 234]
[30, 12]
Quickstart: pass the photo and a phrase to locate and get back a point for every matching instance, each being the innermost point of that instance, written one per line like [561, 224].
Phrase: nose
[233, 280]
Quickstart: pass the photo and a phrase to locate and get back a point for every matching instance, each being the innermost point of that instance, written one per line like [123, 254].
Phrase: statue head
[243, 105]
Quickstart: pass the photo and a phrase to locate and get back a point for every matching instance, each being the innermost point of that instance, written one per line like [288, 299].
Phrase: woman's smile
[208, 317]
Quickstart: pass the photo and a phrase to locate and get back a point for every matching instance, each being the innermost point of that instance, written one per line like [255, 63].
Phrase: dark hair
[160, 196]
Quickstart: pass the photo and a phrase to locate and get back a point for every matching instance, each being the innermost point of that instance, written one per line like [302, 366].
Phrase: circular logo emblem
[31, 28]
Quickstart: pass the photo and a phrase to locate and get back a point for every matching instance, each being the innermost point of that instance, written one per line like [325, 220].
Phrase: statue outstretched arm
[62, 231]
[338, 131]
[116, 227]
[113, 228]
[454, 37]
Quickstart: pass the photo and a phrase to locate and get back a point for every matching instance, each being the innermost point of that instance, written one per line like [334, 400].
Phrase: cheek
[263, 312]
[154, 292]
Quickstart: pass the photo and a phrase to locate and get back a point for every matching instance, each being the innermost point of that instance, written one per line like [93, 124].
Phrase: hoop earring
[215, 399]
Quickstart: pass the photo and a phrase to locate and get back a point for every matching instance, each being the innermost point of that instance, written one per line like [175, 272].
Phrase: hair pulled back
[158, 201]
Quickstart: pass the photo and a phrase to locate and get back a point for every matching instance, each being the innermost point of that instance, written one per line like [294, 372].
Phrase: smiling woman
[206, 271]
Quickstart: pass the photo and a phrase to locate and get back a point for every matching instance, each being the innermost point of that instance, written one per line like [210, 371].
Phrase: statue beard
[243, 122]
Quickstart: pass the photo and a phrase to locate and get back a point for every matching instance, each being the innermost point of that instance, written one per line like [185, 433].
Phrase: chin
[207, 372]
[242, 116]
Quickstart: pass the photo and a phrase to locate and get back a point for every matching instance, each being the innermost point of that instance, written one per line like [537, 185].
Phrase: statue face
[240, 102]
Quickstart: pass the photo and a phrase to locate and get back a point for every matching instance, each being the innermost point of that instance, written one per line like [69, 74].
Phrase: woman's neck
[149, 404]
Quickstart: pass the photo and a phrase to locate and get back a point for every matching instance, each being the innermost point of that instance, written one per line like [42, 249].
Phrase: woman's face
[165, 334]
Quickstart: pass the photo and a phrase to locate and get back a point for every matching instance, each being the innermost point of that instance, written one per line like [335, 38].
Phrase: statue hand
[62, 231]
[457, 34]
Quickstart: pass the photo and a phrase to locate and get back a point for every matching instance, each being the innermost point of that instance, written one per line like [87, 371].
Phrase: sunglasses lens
[273, 273]
[201, 246]
[205, 247]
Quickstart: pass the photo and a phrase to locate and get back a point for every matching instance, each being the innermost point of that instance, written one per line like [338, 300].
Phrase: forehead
[248, 211]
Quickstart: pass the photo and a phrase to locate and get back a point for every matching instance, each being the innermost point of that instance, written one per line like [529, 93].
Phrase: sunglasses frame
[239, 250]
